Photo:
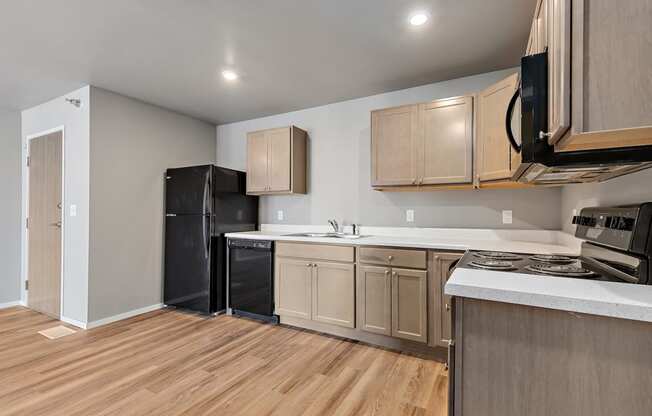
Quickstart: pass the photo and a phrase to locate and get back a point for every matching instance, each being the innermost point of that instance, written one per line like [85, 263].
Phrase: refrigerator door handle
[207, 238]
[206, 192]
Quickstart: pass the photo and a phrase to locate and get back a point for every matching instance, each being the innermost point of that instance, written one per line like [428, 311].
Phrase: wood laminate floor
[172, 363]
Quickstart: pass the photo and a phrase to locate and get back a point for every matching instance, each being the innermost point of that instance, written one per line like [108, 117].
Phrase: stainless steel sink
[326, 235]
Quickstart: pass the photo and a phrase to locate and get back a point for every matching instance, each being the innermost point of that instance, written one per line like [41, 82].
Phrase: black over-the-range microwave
[539, 161]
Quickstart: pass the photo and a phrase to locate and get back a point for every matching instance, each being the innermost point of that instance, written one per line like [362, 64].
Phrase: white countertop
[518, 241]
[618, 300]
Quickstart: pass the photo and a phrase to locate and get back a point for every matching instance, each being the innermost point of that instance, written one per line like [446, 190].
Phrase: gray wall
[339, 171]
[53, 114]
[10, 157]
[628, 189]
[132, 143]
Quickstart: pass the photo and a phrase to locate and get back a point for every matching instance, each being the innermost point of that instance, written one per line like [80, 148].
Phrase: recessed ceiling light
[229, 75]
[418, 19]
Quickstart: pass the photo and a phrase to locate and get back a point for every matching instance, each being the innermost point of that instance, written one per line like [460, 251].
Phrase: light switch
[409, 215]
[507, 216]
[279, 215]
[73, 210]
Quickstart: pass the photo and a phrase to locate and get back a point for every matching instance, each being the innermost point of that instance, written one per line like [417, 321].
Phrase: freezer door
[187, 282]
[188, 190]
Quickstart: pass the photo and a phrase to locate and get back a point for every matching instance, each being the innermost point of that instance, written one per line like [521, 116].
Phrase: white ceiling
[291, 54]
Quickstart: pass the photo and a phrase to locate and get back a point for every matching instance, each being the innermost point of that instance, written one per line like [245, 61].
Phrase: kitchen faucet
[335, 225]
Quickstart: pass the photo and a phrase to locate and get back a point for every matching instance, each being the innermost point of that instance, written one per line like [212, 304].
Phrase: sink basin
[326, 235]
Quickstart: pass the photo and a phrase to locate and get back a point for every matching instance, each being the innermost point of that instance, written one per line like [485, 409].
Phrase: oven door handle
[508, 120]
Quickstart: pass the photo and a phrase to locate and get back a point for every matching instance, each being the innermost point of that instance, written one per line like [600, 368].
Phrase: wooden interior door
[44, 227]
[446, 154]
[280, 155]
[257, 162]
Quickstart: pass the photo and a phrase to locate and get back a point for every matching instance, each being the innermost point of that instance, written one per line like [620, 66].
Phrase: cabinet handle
[314, 265]
[308, 265]
[394, 274]
[414, 181]
[420, 181]
[447, 307]
[390, 258]
[386, 272]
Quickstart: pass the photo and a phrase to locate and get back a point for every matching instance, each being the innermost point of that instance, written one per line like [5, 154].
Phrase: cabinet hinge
[26, 284]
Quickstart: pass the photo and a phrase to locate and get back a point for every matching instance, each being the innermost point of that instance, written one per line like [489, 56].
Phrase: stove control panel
[607, 226]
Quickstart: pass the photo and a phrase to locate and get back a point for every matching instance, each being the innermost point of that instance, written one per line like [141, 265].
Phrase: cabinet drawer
[414, 259]
[316, 251]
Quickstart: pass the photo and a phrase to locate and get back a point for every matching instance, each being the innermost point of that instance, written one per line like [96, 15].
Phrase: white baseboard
[11, 304]
[122, 316]
[73, 322]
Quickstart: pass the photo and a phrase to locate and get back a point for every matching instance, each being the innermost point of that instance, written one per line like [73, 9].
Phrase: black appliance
[540, 163]
[202, 203]
[251, 279]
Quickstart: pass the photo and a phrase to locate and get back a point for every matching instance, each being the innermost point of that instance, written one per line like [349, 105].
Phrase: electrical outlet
[409, 215]
[280, 215]
[507, 216]
[73, 210]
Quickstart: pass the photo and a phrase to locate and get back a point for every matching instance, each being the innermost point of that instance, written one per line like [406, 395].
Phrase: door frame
[25, 274]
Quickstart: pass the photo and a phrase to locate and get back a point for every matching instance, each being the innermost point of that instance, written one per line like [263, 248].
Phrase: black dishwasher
[251, 279]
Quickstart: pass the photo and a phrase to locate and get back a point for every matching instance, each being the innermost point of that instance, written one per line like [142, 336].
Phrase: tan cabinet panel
[333, 294]
[375, 299]
[415, 259]
[276, 161]
[293, 288]
[495, 153]
[316, 251]
[439, 316]
[446, 151]
[257, 158]
[279, 159]
[394, 134]
[559, 67]
[409, 304]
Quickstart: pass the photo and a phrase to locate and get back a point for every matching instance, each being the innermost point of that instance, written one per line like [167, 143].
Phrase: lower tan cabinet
[333, 293]
[440, 313]
[293, 295]
[375, 299]
[409, 304]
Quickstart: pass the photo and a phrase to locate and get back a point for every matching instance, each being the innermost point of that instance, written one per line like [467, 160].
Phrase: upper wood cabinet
[424, 144]
[394, 137]
[494, 156]
[445, 153]
[276, 161]
[599, 59]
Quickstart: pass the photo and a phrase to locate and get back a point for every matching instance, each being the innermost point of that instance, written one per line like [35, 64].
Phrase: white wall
[132, 144]
[629, 189]
[10, 224]
[339, 170]
[75, 120]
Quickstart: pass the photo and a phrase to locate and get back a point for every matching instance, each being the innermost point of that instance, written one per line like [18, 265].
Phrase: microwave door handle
[508, 121]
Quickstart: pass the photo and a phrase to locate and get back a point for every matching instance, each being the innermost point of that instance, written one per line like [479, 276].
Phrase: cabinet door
[293, 288]
[394, 134]
[280, 155]
[446, 148]
[559, 67]
[440, 317]
[495, 151]
[409, 304]
[375, 299]
[257, 162]
[333, 294]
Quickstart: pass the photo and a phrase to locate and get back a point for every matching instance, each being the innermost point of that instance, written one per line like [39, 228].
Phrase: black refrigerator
[202, 203]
